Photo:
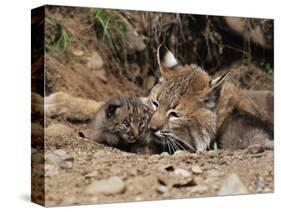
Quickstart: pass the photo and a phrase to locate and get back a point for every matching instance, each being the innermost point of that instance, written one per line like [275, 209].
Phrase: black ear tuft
[215, 91]
[112, 107]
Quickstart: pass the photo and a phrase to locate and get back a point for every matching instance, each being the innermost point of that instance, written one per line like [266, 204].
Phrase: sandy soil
[79, 171]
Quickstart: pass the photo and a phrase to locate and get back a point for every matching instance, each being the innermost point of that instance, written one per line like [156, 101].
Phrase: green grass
[112, 28]
[266, 66]
[62, 41]
[216, 148]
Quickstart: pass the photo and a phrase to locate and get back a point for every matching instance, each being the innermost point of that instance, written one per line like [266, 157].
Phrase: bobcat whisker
[169, 149]
[179, 145]
[175, 145]
[172, 145]
[190, 147]
[174, 142]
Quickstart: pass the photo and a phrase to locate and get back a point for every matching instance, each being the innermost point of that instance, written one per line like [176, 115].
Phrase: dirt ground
[68, 168]
[77, 171]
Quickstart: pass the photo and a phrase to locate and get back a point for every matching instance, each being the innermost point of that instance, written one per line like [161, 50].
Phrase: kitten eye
[142, 124]
[172, 113]
[126, 124]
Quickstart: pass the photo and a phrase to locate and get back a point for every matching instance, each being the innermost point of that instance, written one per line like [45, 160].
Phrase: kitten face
[124, 118]
[132, 127]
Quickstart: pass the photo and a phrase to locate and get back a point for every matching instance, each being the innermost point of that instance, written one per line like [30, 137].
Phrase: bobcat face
[184, 102]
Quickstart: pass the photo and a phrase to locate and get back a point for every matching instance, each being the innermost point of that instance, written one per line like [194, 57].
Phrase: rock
[57, 130]
[77, 52]
[172, 180]
[167, 167]
[162, 189]
[179, 153]
[56, 157]
[232, 185]
[196, 169]
[66, 164]
[164, 154]
[95, 61]
[182, 172]
[50, 170]
[60, 152]
[113, 185]
[52, 158]
[92, 174]
[199, 189]
[255, 149]
[154, 157]
[214, 173]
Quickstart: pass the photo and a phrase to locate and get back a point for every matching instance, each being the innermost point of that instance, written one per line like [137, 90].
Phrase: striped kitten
[122, 122]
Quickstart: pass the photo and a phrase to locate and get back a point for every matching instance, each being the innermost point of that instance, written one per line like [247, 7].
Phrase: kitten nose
[135, 131]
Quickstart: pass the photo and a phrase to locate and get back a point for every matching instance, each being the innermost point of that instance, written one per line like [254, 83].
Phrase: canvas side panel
[37, 106]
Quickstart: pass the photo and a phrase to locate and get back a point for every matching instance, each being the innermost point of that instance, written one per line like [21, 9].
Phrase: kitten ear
[165, 58]
[112, 107]
[215, 90]
[148, 110]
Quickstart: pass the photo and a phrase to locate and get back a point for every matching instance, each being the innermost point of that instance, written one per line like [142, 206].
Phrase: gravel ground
[78, 171]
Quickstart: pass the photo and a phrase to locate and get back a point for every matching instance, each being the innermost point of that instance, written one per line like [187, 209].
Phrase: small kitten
[121, 122]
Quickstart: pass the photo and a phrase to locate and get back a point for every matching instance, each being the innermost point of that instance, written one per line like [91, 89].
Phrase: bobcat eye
[172, 113]
[155, 104]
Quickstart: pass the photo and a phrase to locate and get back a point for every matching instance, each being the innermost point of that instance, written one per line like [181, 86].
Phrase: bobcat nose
[154, 128]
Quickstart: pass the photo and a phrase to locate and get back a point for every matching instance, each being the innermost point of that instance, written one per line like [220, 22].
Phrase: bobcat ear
[112, 107]
[215, 91]
[165, 58]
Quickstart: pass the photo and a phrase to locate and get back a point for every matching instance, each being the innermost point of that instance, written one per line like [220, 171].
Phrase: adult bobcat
[191, 108]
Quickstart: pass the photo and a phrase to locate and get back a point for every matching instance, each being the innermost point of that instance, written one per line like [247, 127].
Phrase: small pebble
[214, 173]
[113, 185]
[77, 52]
[165, 154]
[154, 157]
[182, 172]
[162, 189]
[232, 185]
[196, 169]
[92, 174]
[199, 189]
[66, 164]
[179, 153]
